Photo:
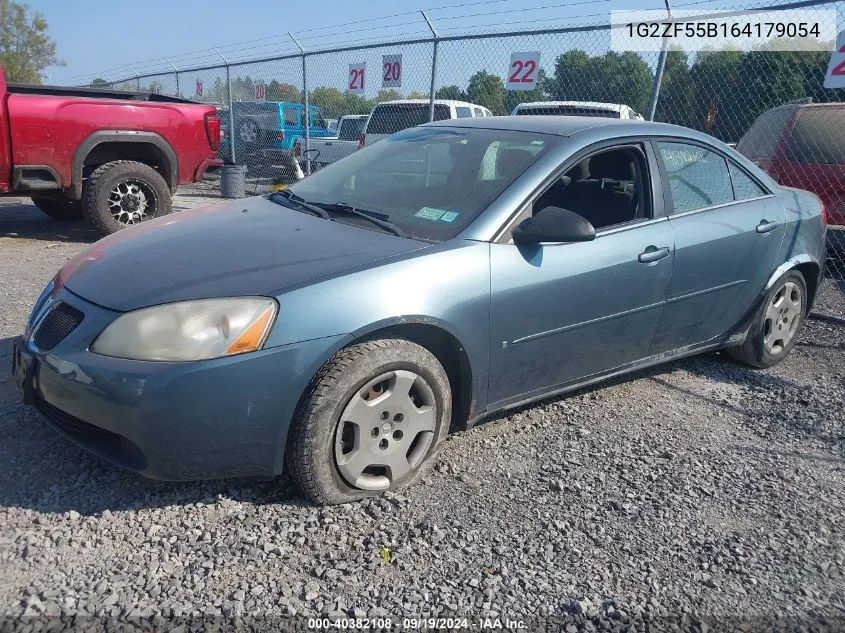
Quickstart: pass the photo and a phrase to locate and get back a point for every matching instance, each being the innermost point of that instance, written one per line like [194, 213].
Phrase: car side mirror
[553, 224]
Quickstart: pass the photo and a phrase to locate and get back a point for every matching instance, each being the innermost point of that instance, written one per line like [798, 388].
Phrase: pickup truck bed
[114, 157]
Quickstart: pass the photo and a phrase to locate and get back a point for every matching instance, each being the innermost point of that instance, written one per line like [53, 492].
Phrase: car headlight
[189, 330]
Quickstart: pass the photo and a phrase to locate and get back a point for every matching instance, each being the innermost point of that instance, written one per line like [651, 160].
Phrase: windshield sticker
[429, 213]
[449, 216]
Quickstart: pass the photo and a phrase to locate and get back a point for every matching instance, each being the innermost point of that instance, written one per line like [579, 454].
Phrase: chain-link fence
[310, 104]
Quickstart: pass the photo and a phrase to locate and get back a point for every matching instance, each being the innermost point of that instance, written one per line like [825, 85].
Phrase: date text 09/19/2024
[417, 624]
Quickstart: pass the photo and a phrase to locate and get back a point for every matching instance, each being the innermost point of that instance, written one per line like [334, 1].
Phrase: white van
[577, 108]
[390, 117]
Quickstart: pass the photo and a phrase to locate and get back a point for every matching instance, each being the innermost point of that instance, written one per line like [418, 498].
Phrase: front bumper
[221, 418]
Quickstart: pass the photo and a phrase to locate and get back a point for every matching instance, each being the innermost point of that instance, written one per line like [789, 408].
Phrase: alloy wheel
[783, 316]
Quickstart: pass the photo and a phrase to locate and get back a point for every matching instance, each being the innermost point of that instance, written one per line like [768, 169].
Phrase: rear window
[389, 119]
[762, 138]
[568, 110]
[818, 136]
[352, 129]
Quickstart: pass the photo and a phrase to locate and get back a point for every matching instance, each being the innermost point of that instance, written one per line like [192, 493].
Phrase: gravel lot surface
[699, 489]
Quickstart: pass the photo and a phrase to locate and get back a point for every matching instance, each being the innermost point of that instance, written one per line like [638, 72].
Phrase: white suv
[390, 117]
[578, 108]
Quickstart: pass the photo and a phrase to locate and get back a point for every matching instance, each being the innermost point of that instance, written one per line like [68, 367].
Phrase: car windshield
[429, 181]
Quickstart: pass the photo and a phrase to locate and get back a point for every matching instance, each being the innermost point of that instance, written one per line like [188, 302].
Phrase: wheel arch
[809, 268]
[438, 339]
[106, 146]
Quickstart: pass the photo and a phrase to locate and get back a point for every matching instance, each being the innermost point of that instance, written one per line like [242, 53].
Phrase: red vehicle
[802, 145]
[111, 156]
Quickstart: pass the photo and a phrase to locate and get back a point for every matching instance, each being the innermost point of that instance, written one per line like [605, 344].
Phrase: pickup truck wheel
[124, 193]
[60, 208]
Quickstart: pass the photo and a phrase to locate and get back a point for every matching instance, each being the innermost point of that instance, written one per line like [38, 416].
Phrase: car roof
[564, 125]
[615, 107]
[449, 102]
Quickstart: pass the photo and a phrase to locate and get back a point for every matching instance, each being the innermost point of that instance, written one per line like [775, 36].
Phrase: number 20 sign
[522, 72]
[355, 83]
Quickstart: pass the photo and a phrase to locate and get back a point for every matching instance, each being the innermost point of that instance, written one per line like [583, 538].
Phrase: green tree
[416, 94]
[450, 92]
[25, 48]
[612, 77]
[488, 90]
[283, 92]
[99, 81]
[388, 94]
[718, 89]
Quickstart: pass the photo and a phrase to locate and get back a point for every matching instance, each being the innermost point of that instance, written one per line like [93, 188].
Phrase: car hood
[247, 247]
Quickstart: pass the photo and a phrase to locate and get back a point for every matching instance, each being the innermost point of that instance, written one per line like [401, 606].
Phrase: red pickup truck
[111, 156]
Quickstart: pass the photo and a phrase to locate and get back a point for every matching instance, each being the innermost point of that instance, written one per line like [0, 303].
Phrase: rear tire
[776, 325]
[60, 208]
[124, 193]
[374, 419]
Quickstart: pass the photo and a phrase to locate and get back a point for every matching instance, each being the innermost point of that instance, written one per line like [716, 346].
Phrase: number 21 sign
[522, 72]
[355, 83]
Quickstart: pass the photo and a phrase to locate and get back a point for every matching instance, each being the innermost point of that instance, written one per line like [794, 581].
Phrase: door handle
[765, 226]
[653, 254]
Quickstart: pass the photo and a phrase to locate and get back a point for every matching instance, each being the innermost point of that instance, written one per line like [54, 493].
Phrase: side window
[291, 117]
[463, 112]
[608, 188]
[318, 121]
[476, 112]
[744, 185]
[698, 178]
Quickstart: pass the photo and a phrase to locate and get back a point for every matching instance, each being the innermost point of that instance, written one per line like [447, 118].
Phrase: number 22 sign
[522, 72]
[355, 84]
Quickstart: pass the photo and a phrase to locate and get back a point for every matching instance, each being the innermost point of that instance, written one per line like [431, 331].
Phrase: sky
[98, 36]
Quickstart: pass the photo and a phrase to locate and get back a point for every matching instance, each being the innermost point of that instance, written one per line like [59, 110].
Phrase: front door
[561, 313]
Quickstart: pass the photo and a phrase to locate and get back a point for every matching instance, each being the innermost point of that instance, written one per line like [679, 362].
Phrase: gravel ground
[700, 489]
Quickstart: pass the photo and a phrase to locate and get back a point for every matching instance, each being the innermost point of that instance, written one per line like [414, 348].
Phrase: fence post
[176, 73]
[433, 67]
[137, 79]
[306, 105]
[658, 75]
[231, 111]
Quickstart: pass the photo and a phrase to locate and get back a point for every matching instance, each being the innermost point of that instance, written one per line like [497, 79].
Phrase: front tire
[124, 193]
[374, 419]
[777, 323]
[60, 208]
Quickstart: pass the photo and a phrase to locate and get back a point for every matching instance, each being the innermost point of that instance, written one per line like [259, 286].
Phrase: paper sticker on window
[449, 216]
[428, 213]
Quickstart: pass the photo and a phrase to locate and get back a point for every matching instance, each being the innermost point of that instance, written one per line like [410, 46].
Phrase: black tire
[753, 351]
[311, 444]
[97, 206]
[249, 134]
[60, 208]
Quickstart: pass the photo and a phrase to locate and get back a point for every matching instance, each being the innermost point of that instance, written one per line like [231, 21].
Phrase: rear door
[728, 231]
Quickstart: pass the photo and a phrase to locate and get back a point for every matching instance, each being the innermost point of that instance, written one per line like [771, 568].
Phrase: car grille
[73, 426]
[59, 322]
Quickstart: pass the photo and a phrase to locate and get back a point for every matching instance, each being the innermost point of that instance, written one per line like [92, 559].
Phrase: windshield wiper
[301, 202]
[379, 219]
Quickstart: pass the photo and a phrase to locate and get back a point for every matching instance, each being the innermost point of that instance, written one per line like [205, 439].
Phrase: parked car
[803, 145]
[577, 108]
[265, 132]
[390, 117]
[340, 327]
[110, 156]
[332, 148]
